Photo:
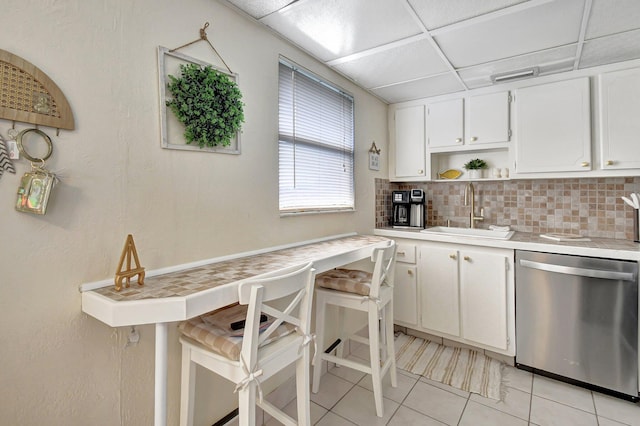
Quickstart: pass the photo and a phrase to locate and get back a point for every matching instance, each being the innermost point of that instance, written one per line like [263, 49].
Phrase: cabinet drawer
[406, 253]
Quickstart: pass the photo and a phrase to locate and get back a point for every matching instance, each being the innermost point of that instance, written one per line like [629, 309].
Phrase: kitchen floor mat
[461, 368]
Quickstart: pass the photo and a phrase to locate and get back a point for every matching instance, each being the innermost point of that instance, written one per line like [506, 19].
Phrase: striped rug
[461, 368]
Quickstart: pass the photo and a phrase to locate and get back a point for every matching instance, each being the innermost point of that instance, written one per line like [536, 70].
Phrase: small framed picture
[374, 161]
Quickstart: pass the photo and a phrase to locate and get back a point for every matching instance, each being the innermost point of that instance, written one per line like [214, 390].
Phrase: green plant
[475, 164]
[208, 103]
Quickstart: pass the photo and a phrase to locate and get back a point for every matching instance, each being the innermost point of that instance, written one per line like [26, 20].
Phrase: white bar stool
[368, 292]
[251, 355]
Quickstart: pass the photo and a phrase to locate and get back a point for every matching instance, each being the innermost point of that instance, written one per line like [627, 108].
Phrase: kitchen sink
[469, 232]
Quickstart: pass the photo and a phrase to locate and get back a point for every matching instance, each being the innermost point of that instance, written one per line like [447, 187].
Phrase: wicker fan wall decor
[28, 95]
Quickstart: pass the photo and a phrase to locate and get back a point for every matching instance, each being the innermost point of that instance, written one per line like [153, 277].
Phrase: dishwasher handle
[584, 272]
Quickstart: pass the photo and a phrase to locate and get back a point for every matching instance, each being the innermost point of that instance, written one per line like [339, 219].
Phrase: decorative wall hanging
[374, 157]
[28, 95]
[206, 110]
[36, 185]
[129, 253]
[5, 159]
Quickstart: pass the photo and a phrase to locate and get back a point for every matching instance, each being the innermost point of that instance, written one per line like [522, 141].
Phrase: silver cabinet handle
[409, 272]
[585, 164]
[584, 272]
[467, 258]
[458, 140]
[401, 253]
[609, 163]
[473, 139]
[453, 256]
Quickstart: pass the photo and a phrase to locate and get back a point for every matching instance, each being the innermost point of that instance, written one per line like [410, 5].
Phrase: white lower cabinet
[405, 290]
[467, 294]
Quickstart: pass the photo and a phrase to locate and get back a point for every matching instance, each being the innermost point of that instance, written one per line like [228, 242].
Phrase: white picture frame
[374, 161]
[171, 129]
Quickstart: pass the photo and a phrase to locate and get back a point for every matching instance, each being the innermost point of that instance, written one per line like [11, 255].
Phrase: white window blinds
[315, 143]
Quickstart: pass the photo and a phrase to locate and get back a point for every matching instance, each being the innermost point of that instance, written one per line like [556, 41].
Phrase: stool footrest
[347, 363]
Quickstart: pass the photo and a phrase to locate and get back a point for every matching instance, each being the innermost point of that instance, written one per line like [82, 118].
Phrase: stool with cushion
[271, 340]
[368, 292]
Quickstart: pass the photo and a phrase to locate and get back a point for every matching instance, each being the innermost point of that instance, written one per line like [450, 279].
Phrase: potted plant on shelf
[475, 167]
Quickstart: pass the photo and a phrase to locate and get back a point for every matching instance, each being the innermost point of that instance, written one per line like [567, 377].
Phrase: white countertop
[597, 247]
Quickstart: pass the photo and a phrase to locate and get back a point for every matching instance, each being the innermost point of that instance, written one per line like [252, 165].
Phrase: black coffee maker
[408, 209]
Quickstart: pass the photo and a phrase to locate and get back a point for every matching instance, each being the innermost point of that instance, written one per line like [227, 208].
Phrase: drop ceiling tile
[548, 61]
[437, 13]
[608, 50]
[330, 29]
[545, 26]
[259, 9]
[608, 18]
[406, 62]
[423, 88]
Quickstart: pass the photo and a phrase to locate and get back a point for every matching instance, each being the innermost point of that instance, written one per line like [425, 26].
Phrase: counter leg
[160, 410]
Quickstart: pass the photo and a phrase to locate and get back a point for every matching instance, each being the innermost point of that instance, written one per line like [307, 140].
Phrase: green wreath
[208, 103]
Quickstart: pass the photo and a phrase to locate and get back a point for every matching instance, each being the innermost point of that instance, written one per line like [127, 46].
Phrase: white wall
[57, 365]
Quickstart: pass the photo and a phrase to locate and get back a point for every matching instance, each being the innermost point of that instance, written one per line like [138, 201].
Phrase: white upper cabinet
[445, 123]
[410, 156]
[620, 119]
[488, 118]
[553, 127]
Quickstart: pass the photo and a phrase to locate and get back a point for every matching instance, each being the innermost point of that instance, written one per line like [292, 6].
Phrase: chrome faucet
[469, 199]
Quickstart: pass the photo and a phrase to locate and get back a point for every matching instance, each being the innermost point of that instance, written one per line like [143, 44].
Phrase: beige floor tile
[518, 379]
[291, 409]
[436, 403]
[515, 403]
[332, 388]
[408, 417]
[476, 414]
[617, 409]
[399, 393]
[331, 419]
[563, 393]
[359, 407]
[603, 421]
[551, 413]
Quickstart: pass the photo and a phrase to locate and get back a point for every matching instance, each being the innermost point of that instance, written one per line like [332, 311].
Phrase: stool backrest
[384, 268]
[296, 282]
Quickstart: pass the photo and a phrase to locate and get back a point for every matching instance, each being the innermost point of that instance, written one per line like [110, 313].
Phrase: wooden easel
[128, 251]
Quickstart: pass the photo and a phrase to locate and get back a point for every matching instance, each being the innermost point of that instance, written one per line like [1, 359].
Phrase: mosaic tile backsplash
[587, 206]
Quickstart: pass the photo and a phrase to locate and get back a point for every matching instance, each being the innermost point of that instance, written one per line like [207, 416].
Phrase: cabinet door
[410, 142]
[438, 268]
[620, 119]
[553, 127]
[405, 295]
[488, 118]
[483, 297]
[445, 123]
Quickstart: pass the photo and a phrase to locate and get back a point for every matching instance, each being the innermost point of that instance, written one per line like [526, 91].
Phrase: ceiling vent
[514, 75]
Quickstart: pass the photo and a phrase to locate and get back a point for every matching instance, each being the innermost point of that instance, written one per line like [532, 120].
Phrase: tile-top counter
[597, 247]
[188, 291]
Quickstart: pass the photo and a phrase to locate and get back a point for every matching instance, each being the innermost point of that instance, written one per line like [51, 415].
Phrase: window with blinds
[316, 143]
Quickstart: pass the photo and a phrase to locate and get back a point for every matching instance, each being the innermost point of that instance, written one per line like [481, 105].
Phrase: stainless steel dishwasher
[577, 320]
